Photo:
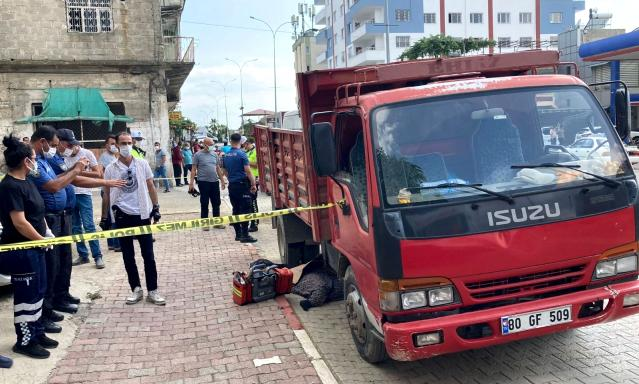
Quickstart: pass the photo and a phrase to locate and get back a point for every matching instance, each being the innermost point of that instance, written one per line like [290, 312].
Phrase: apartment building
[356, 31]
[92, 66]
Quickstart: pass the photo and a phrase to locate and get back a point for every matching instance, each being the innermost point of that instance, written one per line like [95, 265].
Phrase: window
[454, 18]
[525, 18]
[90, 133]
[554, 40]
[503, 18]
[89, 16]
[402, 15]
[525, 42]
[430, 18]
[402, 41]
[503, 42]
[556, 17]
[476, 18]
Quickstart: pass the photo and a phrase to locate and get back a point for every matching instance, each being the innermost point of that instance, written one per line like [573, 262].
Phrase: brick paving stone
[200, 336]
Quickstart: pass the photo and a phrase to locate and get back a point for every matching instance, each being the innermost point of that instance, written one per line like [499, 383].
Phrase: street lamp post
[274, 32]
[241, 67]
[226, 110]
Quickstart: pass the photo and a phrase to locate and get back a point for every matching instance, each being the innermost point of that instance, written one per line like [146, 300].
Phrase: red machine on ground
[461, 227]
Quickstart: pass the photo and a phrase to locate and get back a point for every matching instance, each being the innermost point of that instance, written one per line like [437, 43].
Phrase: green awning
[66, 104]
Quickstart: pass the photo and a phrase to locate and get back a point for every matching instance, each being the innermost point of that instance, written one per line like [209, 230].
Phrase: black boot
[51, 327]
[65, 307]
[32, 349]
[46, 342]
[70, 299]
[54, 316]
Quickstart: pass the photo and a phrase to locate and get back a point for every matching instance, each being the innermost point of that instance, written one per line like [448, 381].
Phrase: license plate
[532, 320]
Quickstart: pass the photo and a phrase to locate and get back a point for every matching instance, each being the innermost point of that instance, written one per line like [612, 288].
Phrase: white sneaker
[155, 298]
[136, 296]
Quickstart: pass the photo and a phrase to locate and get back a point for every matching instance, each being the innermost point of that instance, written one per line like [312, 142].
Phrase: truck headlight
[440, 296]
[612, 267]
[412, 300]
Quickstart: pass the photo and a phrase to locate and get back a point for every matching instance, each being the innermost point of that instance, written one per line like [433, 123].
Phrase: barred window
[476, 18]
[429, 18]
[454, 18]
[89, 16]
[503, 42]
[402, 41]
[503, 18]
[525, 42]
[525, 17]
[402, 14]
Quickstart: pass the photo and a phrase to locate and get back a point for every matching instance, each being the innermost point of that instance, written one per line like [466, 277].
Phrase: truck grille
[526, 285]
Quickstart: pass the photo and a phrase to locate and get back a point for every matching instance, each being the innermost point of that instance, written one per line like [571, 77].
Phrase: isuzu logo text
[523, 214]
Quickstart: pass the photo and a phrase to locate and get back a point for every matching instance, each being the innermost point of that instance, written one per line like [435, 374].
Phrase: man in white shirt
[82, 220]
[131, 207]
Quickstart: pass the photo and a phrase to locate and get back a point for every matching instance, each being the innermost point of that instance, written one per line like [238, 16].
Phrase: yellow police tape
[159, 228]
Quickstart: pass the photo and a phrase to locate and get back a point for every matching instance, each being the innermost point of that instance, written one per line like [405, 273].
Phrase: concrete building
[306, 49]
[356, 31]
[129, 52]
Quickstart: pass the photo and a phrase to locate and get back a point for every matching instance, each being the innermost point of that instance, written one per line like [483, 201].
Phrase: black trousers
[241, 198]
[254, 207]
[177, 173]
[209, 192]
[122, 220]
[187, 169]
[58, 262]
[29, 280]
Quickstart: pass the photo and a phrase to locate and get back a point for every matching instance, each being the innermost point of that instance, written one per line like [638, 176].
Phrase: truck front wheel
[368, 345]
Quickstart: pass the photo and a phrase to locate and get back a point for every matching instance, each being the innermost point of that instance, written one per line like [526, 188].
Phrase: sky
[224, 29]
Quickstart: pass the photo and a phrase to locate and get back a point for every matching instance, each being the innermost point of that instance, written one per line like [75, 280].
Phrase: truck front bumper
[399, 337]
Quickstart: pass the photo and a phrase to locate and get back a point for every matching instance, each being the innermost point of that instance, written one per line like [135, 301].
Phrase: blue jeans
[83, 222]
[160, 173]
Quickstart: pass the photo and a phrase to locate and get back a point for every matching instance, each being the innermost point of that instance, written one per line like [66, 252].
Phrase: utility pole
[226, 110]
[387, 32]
[241, 67]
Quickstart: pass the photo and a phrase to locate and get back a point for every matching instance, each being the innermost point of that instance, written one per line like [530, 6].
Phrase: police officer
[251, 153]
[51, 187]
[241, 186]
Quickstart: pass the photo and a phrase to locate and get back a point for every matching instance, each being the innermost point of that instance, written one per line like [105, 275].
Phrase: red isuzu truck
[469, 218]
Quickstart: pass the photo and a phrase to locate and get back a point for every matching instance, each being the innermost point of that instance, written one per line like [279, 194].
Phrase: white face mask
[125, 150]
[67, 152]
[113, 149]
[33, 171]
[50, 153]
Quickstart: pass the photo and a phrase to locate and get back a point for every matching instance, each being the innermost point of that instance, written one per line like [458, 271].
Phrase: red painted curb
[293, 321]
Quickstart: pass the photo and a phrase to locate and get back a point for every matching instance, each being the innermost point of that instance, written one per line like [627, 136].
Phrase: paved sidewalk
[199, 337]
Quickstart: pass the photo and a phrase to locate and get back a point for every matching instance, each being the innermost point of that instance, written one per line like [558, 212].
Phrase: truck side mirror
[323, 149]
[621, 114]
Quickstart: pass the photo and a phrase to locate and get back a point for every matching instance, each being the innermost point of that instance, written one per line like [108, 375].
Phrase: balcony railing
[178, 49]
[172, 4]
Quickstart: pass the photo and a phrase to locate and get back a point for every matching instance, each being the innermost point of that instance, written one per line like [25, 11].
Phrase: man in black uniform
[241, 186]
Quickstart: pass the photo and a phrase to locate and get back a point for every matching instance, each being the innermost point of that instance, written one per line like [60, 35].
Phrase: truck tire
[291, 254]
[370, 348]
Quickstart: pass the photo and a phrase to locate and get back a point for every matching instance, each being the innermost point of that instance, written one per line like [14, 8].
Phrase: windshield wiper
[473, 186]
[574, 167]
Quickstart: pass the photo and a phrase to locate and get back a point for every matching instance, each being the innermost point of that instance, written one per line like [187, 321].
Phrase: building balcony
[365, 7]
[171, 4]
[323, 35]
[320, 17]
[366, 56]
[366, 30]
[321, 58]
[179, 59]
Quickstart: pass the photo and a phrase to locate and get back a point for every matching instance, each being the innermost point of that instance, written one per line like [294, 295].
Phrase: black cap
[67, 135]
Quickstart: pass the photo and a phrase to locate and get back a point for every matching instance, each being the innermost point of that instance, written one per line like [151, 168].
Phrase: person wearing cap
[52, 189]
[241, 186]
[137, 152]
[251, 153]
[82, 220]
[160, 168]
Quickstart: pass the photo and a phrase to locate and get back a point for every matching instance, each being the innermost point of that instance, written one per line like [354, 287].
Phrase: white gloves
[48, 235]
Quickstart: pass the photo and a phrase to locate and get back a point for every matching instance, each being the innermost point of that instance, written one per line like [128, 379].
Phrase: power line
[232, 26]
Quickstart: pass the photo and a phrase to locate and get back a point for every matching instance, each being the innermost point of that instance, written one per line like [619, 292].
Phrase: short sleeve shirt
[71, 160]
[129, 200]
[234, 162]
[59, 167]
[158, 157]
[188, 156]
[53, 202]
[106, 158]
[206, 165]
[22, 196]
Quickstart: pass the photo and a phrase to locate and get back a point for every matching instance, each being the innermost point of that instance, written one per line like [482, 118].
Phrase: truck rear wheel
[293, 237]
[368, 345]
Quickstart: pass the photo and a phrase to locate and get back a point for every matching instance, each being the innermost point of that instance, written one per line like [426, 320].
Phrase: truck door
[351, 235]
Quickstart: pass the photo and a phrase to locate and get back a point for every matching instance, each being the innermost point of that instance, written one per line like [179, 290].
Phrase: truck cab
[458, 226]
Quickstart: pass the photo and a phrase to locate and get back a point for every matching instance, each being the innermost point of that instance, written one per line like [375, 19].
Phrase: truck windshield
[426, 147]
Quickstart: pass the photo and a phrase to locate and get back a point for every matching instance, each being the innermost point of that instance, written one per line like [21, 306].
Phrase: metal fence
[179, 49]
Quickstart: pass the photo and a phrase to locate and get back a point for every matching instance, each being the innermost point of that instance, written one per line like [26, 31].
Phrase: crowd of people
[47, 193]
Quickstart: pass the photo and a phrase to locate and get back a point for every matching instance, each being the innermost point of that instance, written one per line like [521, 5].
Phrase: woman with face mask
[22, 213]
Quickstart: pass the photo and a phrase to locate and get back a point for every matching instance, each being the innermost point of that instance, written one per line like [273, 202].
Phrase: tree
[441, 46]
[180, 125]
[215, 129]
